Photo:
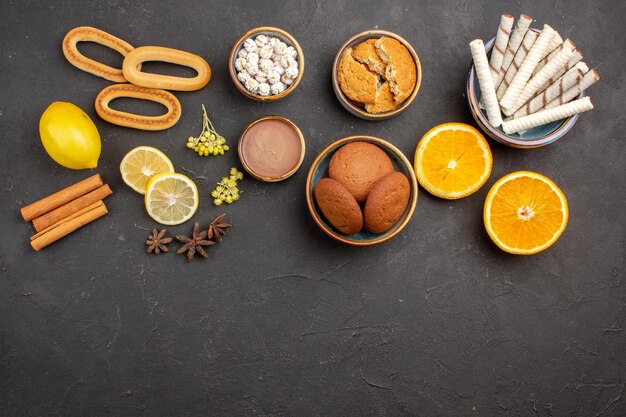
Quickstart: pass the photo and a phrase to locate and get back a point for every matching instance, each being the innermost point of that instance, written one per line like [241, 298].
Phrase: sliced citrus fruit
[171, 198]
[525, 213]
[141, 164]
[452, 160]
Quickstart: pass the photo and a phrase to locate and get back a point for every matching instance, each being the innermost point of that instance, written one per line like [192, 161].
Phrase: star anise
[194, 243]
[157, 243]
[217, 228]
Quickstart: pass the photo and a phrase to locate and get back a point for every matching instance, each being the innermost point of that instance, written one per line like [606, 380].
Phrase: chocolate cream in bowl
[271, 149]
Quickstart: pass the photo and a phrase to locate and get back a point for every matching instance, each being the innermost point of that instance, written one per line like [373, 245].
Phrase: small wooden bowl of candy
[266, 64]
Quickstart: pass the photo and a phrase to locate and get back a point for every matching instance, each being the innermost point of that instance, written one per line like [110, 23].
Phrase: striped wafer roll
[578, 56]
[536, 53]
[499, 46]
[483, 73]
[587, 81]
[523, 23]
[531, 87]
[546, 116]
[556, 89]
[522, 51]
[565, 45]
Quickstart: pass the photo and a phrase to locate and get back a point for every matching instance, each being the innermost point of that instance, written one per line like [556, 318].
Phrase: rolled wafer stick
[499, 46]
[578, 56]
[522, 51]
[70, 208]
[540, 78]
[485, 81]
[68, 227]
[568, 80]
[546, 116]
[565, 45]
[523, 23]
[536, 53]
[68, 218]
[59, 198]
[587, 81]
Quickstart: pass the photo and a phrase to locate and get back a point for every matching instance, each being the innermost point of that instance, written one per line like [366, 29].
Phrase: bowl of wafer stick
[537, 93]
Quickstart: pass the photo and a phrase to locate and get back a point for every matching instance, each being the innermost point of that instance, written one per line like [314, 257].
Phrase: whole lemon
[69, 136]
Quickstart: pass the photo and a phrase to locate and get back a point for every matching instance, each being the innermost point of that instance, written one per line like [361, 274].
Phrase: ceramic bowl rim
[357, 111]
[398, 227]
[233, 57]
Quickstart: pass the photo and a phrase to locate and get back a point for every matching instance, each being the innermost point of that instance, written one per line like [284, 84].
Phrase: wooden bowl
[267, 31]
[355, 108]
[286, 175]
[533, 138]
[319, 169]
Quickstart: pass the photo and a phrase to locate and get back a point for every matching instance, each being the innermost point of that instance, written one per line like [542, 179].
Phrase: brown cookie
[357, 82]
[365, 53]
[401, 71]
[385, 102]
[338, 206]
[358, 165]
[386, 202]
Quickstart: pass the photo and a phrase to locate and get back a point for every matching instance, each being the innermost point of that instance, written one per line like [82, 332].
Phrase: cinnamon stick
[70, 208]
[68, 227]
[70, 217]
[59, 198]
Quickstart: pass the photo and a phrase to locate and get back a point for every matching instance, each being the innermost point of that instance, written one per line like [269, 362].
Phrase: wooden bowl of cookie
[376, 74]
[361, 190]
[266, 64]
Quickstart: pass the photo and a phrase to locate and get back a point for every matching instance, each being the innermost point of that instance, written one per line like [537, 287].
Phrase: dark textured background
[281, 320]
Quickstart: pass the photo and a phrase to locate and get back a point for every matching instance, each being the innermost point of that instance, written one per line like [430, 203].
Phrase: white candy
[292, 72]
[250, 45]
[264, 89]
[278, 88]
[260, 40]
[273, 77]
[291, 52]
[283, 61]
[280, 48]
[242, 53]
[240, 64]
[261, 78]
[279, 69]
[273, 42]
[253, 57]
[252, 68]
[286, 80]
[266, 51]
[252, 85]
[266, 65]
[243, 76]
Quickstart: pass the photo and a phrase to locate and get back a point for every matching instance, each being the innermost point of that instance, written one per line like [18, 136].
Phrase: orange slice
[452, 160]
[525, 213]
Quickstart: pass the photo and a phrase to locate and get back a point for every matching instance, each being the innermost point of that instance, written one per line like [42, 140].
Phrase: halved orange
[525, 213]
[452, 160]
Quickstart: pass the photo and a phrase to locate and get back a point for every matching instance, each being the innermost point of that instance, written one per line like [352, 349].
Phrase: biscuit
[401, 71]
[386, 202]
[385, 100]
[338, 206]
[365, 53]
[358, 165]
[357, 82]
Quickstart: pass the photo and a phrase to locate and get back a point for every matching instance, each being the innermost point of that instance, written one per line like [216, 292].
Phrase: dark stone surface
[281, 320]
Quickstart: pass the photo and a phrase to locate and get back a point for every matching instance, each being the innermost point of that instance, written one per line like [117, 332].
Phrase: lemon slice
[141, 164]
[171, 198]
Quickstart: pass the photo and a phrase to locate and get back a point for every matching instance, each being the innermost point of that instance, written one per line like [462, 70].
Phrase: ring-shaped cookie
[136, 121]
[167, 82]
[91, 34]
